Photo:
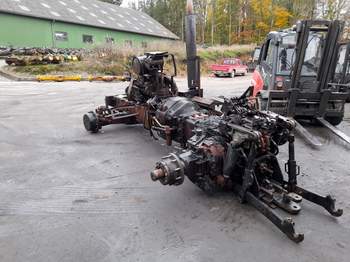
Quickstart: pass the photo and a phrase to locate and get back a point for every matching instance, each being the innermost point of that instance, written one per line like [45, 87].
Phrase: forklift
[295, 75]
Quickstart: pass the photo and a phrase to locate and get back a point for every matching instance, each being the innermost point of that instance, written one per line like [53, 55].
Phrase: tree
[242, 21]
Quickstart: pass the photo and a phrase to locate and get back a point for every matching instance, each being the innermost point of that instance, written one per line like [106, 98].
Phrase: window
[109, 40]
[313, 54]
[230, 62]
[285, 62]
[61, 36]
[256, 54]
[341, 60]
[88, 39]
[269, 54]
[144, 44]
[128, 43]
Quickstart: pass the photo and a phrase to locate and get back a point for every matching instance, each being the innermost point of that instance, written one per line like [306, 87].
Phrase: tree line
[226, 22]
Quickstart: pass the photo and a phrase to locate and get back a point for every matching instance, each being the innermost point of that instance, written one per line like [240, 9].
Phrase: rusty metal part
[157, 174]
[214, 149]
[234, 147]
[286, 225]
[169, 171]
[168, 131]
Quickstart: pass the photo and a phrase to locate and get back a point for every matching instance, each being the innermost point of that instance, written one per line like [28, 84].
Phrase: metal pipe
[193, 70]
[292, 165]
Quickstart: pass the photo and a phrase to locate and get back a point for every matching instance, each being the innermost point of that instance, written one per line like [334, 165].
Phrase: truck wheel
[334, 120]
[245, 72]
[232, 74]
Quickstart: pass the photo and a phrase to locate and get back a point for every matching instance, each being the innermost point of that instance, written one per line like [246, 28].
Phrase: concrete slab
[66, 195]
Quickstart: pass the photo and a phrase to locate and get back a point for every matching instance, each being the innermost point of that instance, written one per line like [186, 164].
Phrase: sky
[127, 2]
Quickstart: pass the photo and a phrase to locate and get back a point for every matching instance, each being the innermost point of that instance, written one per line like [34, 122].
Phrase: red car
[230, 67]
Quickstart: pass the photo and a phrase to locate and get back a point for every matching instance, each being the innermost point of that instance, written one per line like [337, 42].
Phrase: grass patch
[109, 60]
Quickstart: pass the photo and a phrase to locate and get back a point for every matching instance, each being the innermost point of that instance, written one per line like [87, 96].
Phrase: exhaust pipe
[193, 62]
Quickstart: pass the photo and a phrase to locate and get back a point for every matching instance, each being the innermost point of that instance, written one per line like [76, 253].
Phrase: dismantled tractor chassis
[226, 144]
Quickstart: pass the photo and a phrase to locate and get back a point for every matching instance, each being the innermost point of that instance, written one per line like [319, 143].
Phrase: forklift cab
[275, 63]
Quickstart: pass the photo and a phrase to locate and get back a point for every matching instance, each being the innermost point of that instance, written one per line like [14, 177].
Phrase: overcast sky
[127, 2]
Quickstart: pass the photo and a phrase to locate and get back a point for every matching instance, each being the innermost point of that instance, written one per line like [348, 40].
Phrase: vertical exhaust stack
[193, 62]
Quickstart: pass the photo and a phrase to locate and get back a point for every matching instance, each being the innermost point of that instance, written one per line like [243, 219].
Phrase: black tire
[334, 120]
[90, 122]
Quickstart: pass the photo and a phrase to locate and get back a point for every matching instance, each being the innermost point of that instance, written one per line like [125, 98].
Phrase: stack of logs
[40, 56]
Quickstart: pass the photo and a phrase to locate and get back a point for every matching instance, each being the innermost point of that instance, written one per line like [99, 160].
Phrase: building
[75, 24]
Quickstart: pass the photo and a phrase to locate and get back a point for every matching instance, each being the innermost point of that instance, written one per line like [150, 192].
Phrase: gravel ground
[66, 195]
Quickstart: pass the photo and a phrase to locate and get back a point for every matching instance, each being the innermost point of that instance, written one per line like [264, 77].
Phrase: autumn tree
[228, 22]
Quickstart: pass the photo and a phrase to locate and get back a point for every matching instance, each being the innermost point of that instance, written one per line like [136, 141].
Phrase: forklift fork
[333, 129]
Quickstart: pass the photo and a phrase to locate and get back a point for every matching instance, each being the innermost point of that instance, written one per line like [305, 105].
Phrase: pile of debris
[39, 56]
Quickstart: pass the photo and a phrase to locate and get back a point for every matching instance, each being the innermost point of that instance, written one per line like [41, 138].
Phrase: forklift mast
[341, 66]
[331, 32]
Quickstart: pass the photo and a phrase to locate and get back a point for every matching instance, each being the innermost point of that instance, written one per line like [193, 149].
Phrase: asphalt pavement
[67, 195]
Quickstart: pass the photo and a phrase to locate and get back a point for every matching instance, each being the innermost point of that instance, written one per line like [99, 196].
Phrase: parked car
[230, 67]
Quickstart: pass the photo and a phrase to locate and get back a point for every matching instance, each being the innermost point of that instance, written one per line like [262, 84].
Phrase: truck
[230, 67]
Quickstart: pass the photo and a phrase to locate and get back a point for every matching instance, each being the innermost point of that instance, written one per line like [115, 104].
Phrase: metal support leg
[285, 225]
[248, 178]
[291, 166]
[327, 202]
[292, 169]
